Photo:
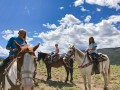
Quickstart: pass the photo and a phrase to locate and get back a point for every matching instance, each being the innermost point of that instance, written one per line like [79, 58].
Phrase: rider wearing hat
[21, 40]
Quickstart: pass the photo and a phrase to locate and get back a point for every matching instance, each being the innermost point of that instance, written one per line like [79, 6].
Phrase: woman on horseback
[93, 53]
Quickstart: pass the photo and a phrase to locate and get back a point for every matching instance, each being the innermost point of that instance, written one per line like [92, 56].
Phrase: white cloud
[61, 8]
[50, 26]
[3, 52]
[69, 20]
[83, 9]
[108, 3]
[87, 19]
[78, 2]
[73, 31]
[114, 19]
[7, 34]
[98, 9]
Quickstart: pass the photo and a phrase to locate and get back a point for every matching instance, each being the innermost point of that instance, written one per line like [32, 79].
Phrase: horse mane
[79, 52]
[42, 55]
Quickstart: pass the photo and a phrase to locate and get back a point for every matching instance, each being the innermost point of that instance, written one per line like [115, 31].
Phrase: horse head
[42, 56]
[70, 52]
[26, 63]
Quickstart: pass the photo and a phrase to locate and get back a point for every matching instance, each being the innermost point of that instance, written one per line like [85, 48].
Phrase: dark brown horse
[58, 63]
[26, 66]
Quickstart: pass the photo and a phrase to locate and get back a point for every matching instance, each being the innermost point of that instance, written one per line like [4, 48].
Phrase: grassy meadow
[59, 75]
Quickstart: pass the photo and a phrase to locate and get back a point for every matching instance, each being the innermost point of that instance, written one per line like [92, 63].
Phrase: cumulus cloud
[83, 9]
[87, 19]
[3, 52]
[69, 20]
[72, 31]
[108, 3]
[61, 8]
[50, 26]
[7, 34]
[98, 9]
[78, 2]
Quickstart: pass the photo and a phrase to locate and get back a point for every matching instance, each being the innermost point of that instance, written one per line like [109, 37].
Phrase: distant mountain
[113, 53]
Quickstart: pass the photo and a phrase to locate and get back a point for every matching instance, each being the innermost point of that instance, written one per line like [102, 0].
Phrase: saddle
[100, 58]
[56, 58]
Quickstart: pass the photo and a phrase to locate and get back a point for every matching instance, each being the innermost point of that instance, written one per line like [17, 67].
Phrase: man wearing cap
[21, 40]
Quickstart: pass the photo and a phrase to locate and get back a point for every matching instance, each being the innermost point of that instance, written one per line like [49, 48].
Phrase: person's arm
[94, 47]
[9, 44]
[11, 49]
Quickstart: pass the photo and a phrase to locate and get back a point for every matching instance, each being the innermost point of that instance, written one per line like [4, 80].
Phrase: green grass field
[59, 75]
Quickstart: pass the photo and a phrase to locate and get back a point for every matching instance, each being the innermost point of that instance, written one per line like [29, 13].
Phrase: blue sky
[61, 21]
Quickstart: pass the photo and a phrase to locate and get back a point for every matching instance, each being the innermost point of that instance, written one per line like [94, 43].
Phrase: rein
[8, 67]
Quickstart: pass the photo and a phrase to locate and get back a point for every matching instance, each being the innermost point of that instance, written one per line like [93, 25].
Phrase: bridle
[67, 57]
[28, 72]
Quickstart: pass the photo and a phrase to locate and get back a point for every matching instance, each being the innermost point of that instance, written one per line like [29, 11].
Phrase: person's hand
[14, 50]
[87, 50]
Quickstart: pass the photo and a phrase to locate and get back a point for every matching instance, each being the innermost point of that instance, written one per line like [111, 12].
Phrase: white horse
[86, 66]
[11, 76]
[27, 72]
[25, 65]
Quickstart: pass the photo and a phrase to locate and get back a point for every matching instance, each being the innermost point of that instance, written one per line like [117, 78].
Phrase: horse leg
[67, 70]
[71, 74]
[105, 76]
[71, 70]
[89, 81]
[48, 72]
[85, 82]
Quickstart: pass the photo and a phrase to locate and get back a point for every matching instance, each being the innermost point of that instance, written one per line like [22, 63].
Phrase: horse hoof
[48, 79]
[105, 88]
[66, 81]
[71, 81]
[36, 84]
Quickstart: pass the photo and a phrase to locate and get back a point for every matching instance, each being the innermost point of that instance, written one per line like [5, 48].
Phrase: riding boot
[96, 69]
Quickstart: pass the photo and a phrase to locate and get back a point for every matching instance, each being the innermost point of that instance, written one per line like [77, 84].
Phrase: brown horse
[26, 67]
[58, 63]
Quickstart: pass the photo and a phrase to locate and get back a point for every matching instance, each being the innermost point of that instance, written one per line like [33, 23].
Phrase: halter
[81, 66]
[8, 67]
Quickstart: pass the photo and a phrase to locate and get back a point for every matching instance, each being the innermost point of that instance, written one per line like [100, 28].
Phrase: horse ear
[17, 45]
[35, 47]
[73, 46]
